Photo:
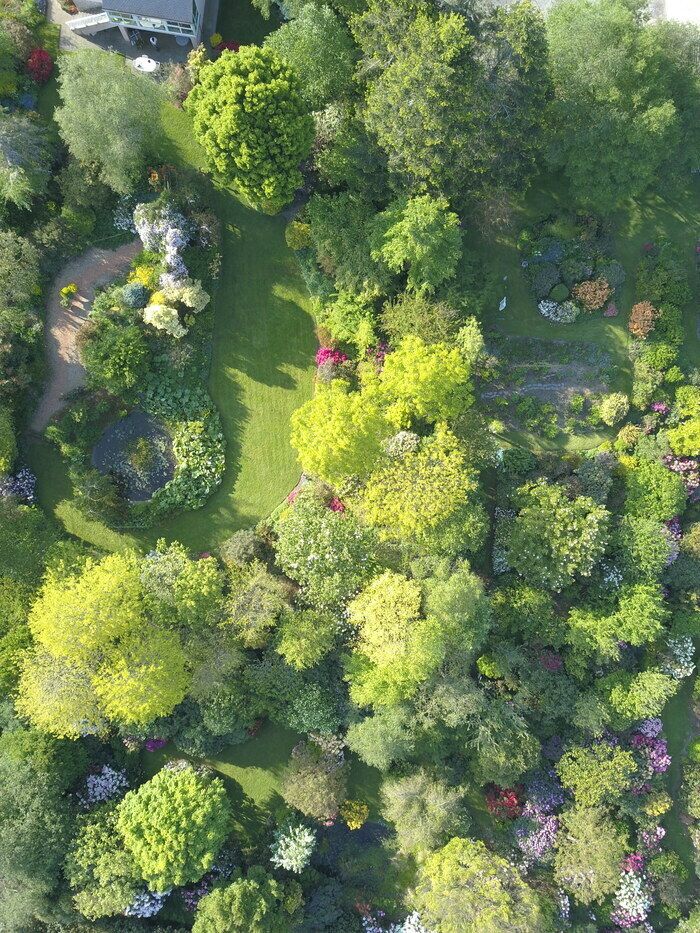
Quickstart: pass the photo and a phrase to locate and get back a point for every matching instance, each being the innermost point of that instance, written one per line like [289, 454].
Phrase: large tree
[588, 853]
[119, 130]
[250, 116]
[614, 120]
[174, 826]
[465, 888]
[25, 158]
[257, 903]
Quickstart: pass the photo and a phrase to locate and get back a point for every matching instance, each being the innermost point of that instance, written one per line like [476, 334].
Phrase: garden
[356, 587]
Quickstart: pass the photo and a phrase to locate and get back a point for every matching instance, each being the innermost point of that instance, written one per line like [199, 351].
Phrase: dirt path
[92, 269]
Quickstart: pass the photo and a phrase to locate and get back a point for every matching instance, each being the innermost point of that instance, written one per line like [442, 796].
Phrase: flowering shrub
[22, 486]
[632, 900]
[678, 658]
[67, 293]
[164, 230]
[504, 802]
[293, 847]
[326, 355]
[107, 784]
[39, 65]
[135, 295]
[166, 319]
[564, 313]
[651, 839]
[688, 468]
[593, 294]
[642, 319]
[154, 745]
[536, 835]
[355, 813]
[146, 905]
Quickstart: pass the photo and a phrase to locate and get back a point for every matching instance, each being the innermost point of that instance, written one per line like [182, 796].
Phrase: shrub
[135, 295]
[543, 277]
[298, 235]
[559, 293]
[40, 66]
[613, 408]
[8, 443]
[642, 319]
[613, 272]
[593, 294]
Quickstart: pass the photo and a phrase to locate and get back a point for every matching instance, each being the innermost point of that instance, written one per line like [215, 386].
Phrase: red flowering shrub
[228, 46]
[593, 294]
[642, 319]
[505, 803]
[335, 505]
[329, 355]
[39, 65]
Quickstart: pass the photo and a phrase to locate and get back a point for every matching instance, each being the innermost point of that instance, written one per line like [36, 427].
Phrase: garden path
[94, 268]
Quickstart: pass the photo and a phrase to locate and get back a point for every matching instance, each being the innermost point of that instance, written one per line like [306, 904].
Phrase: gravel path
[92, 269]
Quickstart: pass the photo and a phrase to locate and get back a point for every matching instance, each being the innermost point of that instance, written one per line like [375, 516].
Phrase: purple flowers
[654, 752]
[611, 310]
[153, 745]
[544, 794]
[661, 408]
[650, 727]
[651, 839]
[536, 835]
[633, 862]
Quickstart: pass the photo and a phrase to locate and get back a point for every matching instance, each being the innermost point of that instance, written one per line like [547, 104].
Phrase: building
[181, 19]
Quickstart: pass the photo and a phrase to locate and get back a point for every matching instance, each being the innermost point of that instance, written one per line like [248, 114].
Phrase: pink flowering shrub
[329, 355]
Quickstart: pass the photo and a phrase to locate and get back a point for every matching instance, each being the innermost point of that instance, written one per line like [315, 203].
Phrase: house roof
[178, 10]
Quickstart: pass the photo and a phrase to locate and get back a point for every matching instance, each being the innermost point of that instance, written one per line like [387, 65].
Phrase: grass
[262, 363]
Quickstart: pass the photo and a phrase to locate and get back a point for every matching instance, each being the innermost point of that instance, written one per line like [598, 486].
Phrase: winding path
[66, 373]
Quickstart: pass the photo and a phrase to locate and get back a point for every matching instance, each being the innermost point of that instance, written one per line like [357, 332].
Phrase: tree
[631, 697]
[329, 553]
[642, 547]
[589, 849]
[256, 601]
[101, 872]
[638, 621]
[425, 105]
[418, 315]
[427, 498]
[420, 237]
[115, 355]
[25, 159]
[596, 775]
[318, 47]
[174, 826]
[429, 382]
[653, 491]
[8, 441]
[455, 597]
[504, 747]
[338, 433]
[614, 123]
[314, 782]
[554, 539]
[305, 637]
[254, 904]
[20, 277]
[685, 439]
[385, 738]
[465, 888]
[249, 115]
[98, 654]
[613, 408]
[425, 812]
[120, 131]
[173, 582]
[395, 650]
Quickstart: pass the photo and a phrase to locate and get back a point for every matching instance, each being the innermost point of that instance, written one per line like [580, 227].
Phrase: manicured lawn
[262, 370]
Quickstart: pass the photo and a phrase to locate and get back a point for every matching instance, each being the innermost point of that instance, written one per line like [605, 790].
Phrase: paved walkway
[92, 269]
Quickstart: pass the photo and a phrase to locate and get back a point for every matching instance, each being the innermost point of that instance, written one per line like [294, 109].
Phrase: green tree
[554, 539]
[642, 546]
[418, 237]
[8, 442]
[329, 553]
[425, 811]
[25, 159]
[305, 637]
[631, 697]
[589, 849]
[318, 47]
[385, 738]
[465, 888]
[595, 775]
[653, 491]
[427, 498]
[418, 315]
[115, 355]
[192, 589]
[338, 433]
[614, 123]
[174, 826]
[255, 904]
[313, 782]
[425, 106]
[102, 874]
[249, 115]
[120, 131]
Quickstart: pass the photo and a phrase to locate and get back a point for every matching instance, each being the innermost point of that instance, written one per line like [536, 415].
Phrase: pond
[137, 451]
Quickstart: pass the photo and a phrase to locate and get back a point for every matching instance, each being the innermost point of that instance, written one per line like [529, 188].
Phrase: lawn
[262, 362]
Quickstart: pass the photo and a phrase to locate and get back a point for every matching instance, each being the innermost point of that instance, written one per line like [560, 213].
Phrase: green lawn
[262, 363]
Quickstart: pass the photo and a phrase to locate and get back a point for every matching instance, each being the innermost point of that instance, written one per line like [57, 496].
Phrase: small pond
[137, 451]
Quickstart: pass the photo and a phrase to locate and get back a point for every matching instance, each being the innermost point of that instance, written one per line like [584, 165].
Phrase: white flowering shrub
[564, 313]
[678, 658]
[107, 784]
[164, 318]
[293, 847]
[146, 905]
